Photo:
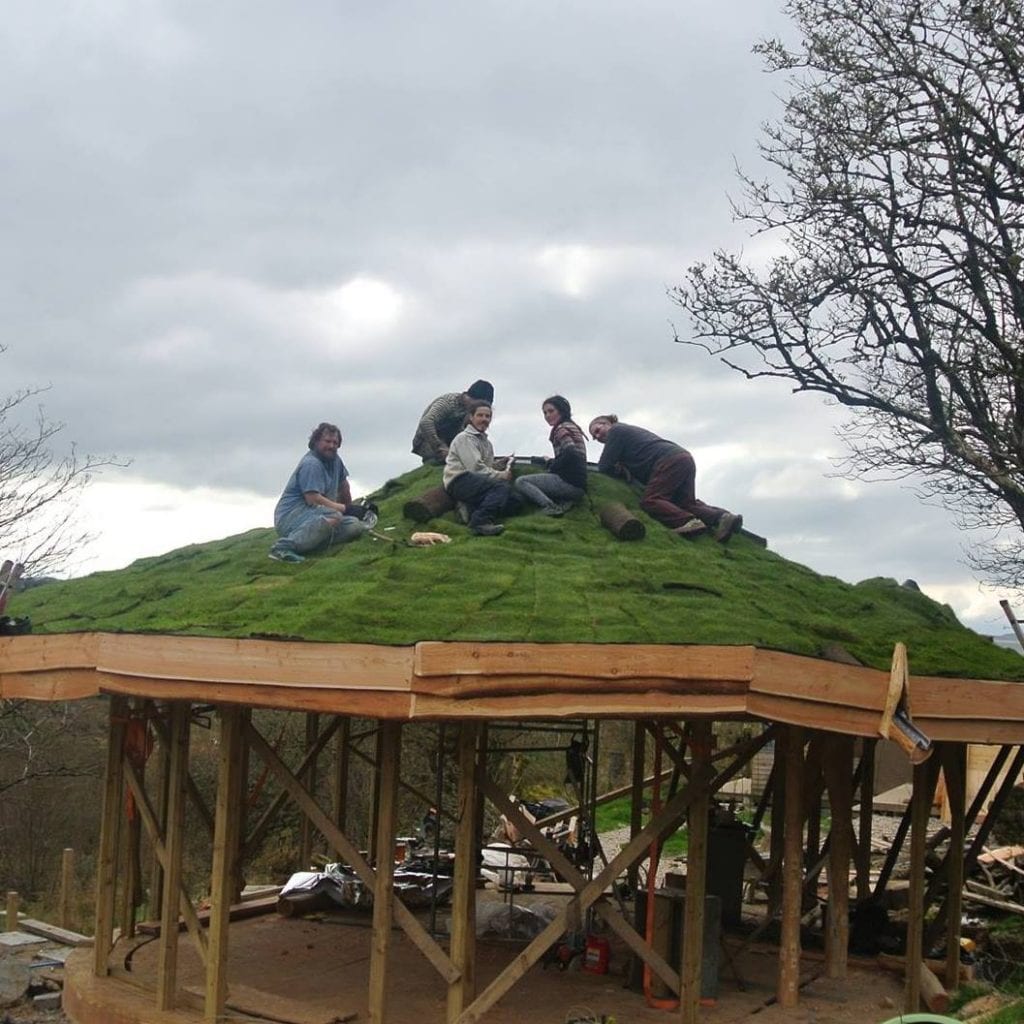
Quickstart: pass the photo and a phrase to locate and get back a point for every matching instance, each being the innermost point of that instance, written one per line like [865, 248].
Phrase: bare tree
[39, 488]
[895, 202]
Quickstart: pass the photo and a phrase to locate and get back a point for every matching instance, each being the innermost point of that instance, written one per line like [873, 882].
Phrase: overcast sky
[223, 223]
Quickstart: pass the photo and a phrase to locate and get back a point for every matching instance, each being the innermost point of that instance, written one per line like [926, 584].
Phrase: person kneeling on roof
[444, 418]
[315, 509]
[474, 477]
[668, 473]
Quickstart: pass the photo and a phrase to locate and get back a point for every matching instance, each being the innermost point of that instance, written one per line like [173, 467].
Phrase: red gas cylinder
[596, 955]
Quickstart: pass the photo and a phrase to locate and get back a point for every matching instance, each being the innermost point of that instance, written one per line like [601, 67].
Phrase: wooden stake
[790, 755]
[106, 872]
[167, 956]
[462, 991]
[390, 734]
[230, 787]
[12, 911]
[696, 873]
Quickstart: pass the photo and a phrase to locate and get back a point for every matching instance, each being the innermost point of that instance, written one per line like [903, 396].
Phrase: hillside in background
[543, 580]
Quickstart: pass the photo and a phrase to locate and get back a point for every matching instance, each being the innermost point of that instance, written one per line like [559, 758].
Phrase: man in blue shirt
[311, 512]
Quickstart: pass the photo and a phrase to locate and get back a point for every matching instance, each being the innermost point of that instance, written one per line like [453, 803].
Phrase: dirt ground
[318, 969]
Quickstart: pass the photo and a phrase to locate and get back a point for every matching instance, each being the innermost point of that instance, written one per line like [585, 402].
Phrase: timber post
[339, 775]
[106, 874]
[388, 768]
[866, 818]
[838, 767]
[925, 777]
[701, 773]
[12, 911]
[167, 955]
[954, 768]
[462, 990]
[310, 782]
[227, 823]
[791, 771]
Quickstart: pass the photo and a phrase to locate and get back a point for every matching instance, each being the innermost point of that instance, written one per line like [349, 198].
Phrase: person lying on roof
[668, 473]
[444, 418]
[315, 508]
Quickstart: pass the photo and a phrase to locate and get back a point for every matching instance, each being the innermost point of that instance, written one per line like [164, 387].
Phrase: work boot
[691, 528]
[727, 526]
[487, 529]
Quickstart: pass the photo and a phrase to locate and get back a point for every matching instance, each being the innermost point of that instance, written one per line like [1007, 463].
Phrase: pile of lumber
[997, 880]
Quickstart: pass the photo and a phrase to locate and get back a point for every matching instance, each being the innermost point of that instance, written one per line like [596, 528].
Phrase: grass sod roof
[544, 580]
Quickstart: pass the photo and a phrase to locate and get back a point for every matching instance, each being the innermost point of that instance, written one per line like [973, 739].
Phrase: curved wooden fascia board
[695, 662]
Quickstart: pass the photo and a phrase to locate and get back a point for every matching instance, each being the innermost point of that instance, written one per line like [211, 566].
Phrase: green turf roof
[545, 580]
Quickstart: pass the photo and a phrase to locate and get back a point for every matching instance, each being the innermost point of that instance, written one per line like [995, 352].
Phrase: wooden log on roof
[620, 522]
[429, 505]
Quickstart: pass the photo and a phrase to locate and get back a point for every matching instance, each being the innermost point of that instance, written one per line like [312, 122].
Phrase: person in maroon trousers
[667, 472]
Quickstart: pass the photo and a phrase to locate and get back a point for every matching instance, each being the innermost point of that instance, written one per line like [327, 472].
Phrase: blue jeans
[308, 529]
[486, 497]
[545, 489]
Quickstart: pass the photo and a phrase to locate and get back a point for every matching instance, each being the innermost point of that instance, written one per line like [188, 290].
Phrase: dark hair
[561, 404]
[318, 433]
[482, 389]
[473, 406]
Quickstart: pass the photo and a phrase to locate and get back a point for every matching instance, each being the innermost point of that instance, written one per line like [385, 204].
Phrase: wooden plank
[48, 652]
[462, 948]
[813, 714]
[696, 873]
[106, 854]
[49, 685]
[64, 936]
[417, 934]
[328, 700]
[593, 705]
[384, 889]
[600, 661]
[466, 687]
[280, 662]
[230, 788]
[792, 772]
[822, 682]
[167, 955]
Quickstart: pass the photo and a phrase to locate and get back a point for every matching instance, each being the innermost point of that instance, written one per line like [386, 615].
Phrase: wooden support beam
[254, 838]
[160, 765]
[11, 920]
[339, 776]
[374, 809]
[838, 768]
[390, 748]
[925, 777]
[195, 796]
[417, 934]
[310, 779]
[575, 907]
[636, 807]
[157, 839]
[865, 818]
[106, 872]
[230, 794]
[167, 954]
[701, 774]
[954, 768]
[790, 756]
[462, 949]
